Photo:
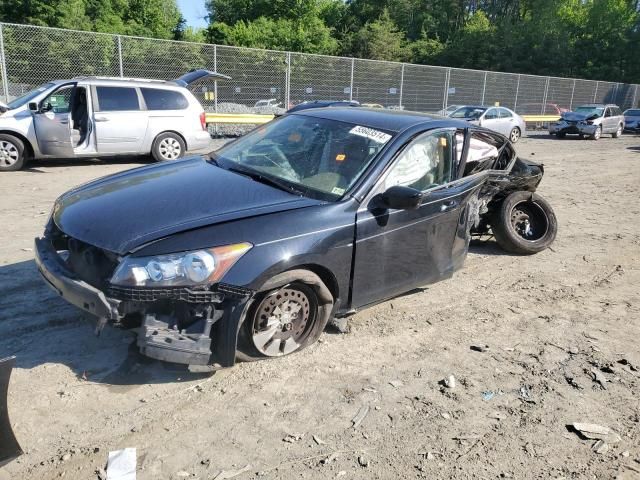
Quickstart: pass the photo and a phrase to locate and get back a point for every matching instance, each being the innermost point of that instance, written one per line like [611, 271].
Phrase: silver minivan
[104, 116]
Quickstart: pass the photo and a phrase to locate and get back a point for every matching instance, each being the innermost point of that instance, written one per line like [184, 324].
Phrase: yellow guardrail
[541, 118]
[260, 118]
[238, 118]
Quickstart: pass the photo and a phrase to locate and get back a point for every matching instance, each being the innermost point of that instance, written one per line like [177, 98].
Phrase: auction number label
[371, 134]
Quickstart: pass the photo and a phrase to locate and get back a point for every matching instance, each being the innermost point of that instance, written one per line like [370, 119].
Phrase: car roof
[392, 120]
[597, 105]
[118, 81]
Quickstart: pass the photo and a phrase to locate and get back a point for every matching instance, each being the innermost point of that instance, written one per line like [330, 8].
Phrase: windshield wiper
[267, 180]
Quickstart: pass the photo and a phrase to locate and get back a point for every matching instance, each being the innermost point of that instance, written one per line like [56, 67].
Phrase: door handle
[448, 205]
[101, 119]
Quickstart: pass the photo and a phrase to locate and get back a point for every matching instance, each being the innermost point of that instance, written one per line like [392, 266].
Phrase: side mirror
[46, 107]
[402, 198]
[33, 106]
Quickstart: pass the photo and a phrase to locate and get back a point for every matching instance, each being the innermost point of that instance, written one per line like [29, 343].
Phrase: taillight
[203, 120]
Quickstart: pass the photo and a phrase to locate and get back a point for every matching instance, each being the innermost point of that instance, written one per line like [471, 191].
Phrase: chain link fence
[264, 80]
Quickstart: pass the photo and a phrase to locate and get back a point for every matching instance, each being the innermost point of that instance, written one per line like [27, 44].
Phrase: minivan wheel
[168, 146]
[514, 136]
[285, 319]
[618, 132]
[11, 153]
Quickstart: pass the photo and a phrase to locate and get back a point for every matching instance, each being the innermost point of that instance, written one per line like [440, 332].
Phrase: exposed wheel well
[186, 146]
[27, 144]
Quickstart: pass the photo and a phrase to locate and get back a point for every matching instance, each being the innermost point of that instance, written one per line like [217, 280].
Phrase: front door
[120, 123]
[397, 250]
[52, 122]
[491, 120]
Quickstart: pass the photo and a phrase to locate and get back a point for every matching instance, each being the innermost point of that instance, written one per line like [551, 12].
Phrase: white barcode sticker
[371, 134]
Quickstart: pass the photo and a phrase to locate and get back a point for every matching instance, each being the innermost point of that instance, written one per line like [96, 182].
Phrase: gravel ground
[535, 344]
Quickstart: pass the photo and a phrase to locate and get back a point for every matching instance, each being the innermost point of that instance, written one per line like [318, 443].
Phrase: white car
[88, 117]
[500, 119]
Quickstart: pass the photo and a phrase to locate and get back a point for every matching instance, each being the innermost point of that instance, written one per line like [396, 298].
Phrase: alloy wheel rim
[515, 135]
[170, 148]
[8, 154]
[282, 322]
[597, 134]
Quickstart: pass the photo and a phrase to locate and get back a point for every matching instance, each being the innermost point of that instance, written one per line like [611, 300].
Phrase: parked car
[104, 116]
[446, 111]
[590, 121]
[311, 216]
[632, 120]
[499, 119]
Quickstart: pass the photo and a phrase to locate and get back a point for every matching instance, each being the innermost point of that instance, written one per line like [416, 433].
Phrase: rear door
[52, 122]
[119, 120]
[397, 250]
[507, 121]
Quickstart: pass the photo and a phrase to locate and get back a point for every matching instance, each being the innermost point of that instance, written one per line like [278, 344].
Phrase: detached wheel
[168, 146]
[524, 223]
[597, 134]
[11, 153]
[618, 133]
[285, 319]
[515, 134]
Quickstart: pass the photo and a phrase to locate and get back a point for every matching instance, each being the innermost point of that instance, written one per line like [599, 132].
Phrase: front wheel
[597, 134]
[515, 134]
[12, 156]
[524, 223]
[168, 146]
[285, 319]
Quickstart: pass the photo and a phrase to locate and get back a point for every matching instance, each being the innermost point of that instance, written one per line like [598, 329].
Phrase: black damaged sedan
[248, 252]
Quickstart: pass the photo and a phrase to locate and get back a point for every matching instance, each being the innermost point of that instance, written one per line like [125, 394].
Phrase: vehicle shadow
[634, 149]
[488, 247]
[39, 327]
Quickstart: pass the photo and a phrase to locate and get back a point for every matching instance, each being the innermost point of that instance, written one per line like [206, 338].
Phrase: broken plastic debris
[225, 474]
[357, 420]
[122, 465]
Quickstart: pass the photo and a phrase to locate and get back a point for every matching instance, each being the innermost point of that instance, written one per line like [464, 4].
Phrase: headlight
[199, 267]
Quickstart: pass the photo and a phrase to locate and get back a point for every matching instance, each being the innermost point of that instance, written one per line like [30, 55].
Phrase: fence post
[120, 55]
[635, 94]
[515, 104]
[445, 96]
[595, 93]
[544, 97]
[484, 87]
[3, 60]
[353, 61]
[215, 83]
[401, 84]
[572, 92]
[287, 82]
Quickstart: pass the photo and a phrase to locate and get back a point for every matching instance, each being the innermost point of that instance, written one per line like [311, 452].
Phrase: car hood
[577, 117]
[122, 212]
[631, 118]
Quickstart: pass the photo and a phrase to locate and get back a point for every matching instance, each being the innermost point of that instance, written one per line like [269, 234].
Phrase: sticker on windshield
[371, 134]
[337, 190]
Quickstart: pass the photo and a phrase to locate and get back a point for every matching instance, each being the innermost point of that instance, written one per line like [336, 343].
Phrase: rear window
[159, 99]
[114, 99]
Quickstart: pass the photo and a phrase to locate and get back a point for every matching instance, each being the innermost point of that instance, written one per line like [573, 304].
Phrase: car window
[590, 111]
[468, 112]
[161, 99]
[491, 114]
[617, 111]
[27, 97]
[115, 99]
[319, 157]
[59, 100]
[632, 112]
[504, 113]
[484, 148]
[607, 112]
[425, 163]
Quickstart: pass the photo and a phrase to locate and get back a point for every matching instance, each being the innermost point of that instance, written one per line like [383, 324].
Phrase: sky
[194, 12]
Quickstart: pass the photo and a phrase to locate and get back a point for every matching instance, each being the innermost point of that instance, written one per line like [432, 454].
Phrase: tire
[297, 303]
[12, 156]
[597, 134]
[618, 133]
[168, 146]
[524, 223]
[515, 134]
[561, 135]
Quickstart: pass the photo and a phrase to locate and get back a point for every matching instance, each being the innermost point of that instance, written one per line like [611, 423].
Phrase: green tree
[379, 40]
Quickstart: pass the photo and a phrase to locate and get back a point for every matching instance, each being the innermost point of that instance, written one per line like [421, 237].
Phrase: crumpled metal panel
[9, 447]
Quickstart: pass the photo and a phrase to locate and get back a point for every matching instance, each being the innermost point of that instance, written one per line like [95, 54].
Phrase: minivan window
[27, 97]
[115, 99]
[159, 99]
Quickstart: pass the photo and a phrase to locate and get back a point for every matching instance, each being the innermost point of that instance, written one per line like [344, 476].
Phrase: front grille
[144, 294]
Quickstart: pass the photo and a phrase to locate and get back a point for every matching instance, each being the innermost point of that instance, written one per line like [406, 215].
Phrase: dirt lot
[546, 324]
